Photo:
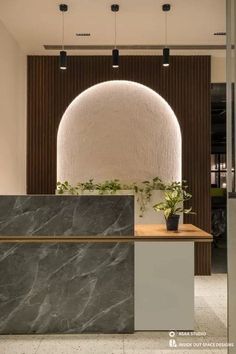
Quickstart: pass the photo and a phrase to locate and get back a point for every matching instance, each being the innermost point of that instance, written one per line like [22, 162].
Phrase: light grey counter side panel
[164, 286]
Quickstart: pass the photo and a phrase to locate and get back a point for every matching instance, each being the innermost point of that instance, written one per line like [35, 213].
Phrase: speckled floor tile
[84, 343]
[20, 344]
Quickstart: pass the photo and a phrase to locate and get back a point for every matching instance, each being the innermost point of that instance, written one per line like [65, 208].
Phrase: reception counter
[78, 265]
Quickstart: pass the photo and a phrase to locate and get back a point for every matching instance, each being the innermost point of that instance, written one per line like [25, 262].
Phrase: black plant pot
[172, 222]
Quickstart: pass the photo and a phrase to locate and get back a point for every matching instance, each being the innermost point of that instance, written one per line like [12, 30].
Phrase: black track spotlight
[63, 60]
[166, 57]
[115, 58]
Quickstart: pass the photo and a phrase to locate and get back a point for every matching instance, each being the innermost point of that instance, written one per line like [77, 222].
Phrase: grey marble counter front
[57, 215]
[66, 287]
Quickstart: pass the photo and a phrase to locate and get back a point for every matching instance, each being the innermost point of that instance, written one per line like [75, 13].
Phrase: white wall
[12, 115]
[218, 69]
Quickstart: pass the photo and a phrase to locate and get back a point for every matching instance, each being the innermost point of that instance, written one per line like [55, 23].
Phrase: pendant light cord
[115, 30]
[166, 29]
[63, 31]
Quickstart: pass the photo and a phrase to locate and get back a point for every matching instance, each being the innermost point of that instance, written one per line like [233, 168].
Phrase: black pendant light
[115, 58]
[115, 51]
[166, 50]
[63, 60]
[63, 55]
[166, 56]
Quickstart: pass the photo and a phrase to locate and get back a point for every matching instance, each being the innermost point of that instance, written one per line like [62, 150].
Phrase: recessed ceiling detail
[134, 47]
[220, 34]
[140, 22]
[83, 34]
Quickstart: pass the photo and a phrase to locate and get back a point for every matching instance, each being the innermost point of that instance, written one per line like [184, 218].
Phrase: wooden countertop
[149, 232]
[185, 232]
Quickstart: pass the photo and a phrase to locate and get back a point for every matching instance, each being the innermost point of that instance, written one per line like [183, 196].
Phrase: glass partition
[231, 196]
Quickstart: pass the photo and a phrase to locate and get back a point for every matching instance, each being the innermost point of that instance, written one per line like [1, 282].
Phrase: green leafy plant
[175, 195]
[110, 187]
[107, 187]
[142, 190]
[89, 186]
[65, 187]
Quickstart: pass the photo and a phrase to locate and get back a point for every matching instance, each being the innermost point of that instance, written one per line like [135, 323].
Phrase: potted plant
[175, 195]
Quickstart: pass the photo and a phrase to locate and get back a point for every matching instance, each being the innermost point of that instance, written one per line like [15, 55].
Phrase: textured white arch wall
[118, 129]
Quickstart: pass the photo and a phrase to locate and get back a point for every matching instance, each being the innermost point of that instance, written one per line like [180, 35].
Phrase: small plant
[86, 186]
[175, 195]
[110, 187]
[143, 190]
[65, 187]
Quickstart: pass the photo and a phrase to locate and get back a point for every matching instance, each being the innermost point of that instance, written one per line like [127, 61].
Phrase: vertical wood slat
[186, 87]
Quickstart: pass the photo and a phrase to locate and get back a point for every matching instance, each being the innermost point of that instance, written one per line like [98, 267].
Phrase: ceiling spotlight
[115, 51]
[63, 55]
[166, 50]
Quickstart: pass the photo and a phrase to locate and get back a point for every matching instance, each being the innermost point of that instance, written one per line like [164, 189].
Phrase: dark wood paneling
[202, 258]
[186, 87]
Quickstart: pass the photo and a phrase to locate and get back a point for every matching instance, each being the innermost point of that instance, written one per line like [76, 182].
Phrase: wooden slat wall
[186, 87]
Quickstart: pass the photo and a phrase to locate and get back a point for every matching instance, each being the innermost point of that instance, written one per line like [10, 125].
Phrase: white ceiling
[34, 23]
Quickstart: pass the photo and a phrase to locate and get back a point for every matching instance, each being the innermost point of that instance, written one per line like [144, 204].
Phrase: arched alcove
[118, 129]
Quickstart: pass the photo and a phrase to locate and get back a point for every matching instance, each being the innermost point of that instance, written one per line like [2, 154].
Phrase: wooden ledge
[147, 233]
[131, 239]
[186, 231]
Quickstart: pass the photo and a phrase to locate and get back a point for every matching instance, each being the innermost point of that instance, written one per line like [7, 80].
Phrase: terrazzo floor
[210, 317]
